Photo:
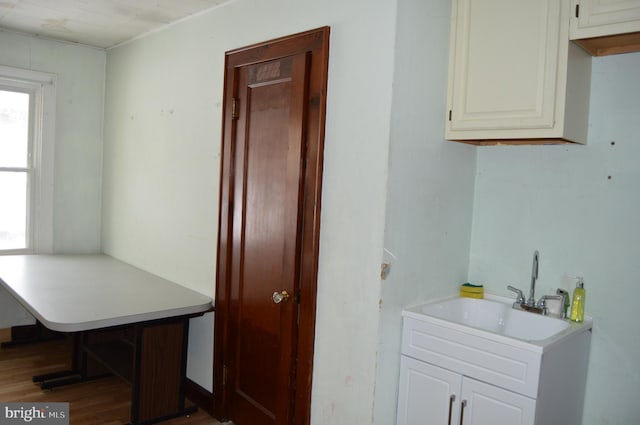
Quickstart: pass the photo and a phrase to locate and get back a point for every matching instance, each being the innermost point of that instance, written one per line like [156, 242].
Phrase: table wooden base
[150, 356]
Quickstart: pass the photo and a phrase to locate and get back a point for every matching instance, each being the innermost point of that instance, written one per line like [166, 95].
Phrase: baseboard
[199, 395]
[28, 334]
[25, 332]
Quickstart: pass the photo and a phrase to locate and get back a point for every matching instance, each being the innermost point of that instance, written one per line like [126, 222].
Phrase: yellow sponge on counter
[470, 290]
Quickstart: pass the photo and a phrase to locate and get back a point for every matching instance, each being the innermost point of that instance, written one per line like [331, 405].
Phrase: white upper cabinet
[606, 27]
[514, 77]
[596, 18]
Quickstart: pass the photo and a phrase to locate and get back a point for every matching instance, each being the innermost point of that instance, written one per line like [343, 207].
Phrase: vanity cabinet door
[483, 404]
[595, 18]
[427, 394]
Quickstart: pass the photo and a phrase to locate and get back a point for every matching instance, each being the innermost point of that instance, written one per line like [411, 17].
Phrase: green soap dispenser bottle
[577, 306]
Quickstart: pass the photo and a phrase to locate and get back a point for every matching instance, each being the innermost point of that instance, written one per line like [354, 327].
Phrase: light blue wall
[430, 187]
[561, 201]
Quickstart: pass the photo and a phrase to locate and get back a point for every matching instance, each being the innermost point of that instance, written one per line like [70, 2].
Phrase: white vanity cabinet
[432, 395]
[597, 18]
[514, 77]
[451, 375]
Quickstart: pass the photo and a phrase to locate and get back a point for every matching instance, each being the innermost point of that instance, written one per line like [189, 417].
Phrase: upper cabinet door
[595, 18]
[505, 57]
[508, 66]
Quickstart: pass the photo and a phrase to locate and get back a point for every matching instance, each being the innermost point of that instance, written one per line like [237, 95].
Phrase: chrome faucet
[534, 277]
[531, 304]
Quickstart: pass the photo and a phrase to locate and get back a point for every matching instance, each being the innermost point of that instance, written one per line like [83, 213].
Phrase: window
[15, 168]
[27, 102]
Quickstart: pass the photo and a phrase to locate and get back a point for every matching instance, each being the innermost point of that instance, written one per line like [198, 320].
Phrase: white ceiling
[100, 23]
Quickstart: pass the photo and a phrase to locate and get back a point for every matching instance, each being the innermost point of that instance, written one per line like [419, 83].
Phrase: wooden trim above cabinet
[611, 44]
[517, 142]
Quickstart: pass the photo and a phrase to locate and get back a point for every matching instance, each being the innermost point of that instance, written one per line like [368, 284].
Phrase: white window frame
[42, 86]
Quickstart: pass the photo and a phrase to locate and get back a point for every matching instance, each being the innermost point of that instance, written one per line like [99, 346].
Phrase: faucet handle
[543, 300]
[519, 294]
[541, 304]
[565, 301]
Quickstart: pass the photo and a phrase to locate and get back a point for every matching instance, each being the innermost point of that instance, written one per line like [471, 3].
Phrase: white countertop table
[70, 293]
[123, 320]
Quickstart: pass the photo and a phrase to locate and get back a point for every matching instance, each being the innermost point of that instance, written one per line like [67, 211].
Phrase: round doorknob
[278, 297]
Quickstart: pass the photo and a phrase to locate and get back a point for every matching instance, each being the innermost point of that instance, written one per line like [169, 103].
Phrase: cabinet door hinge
[449, 114]
[234, 109]
[577, 10]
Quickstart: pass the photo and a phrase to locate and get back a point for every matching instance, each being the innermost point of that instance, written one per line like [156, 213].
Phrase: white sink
[488, 340]
[497, 317]
[494, 317]
[465, 341]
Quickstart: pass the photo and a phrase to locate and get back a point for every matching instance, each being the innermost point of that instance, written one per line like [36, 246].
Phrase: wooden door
[269, 227]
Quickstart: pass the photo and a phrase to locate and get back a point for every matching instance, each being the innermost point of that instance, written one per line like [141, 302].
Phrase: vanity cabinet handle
[451, 400]
[462, 406]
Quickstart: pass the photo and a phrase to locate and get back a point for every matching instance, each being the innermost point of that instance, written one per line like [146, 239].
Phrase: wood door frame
[316, 44]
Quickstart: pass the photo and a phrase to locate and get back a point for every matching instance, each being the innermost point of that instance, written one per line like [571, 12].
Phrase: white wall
[78, 143]
[161, 172]
[429, 205]
[78, 151]
[560, 200]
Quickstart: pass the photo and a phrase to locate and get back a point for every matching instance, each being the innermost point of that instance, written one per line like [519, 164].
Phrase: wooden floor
[104, 401]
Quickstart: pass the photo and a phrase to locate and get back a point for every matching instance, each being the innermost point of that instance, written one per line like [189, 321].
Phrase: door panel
[427, 394]
[269, 222]
[604, 18]
[485, 94]
[594, 13]
[268, 176]
[489, 405]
